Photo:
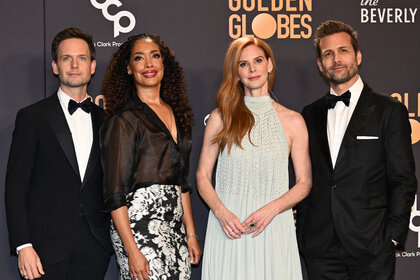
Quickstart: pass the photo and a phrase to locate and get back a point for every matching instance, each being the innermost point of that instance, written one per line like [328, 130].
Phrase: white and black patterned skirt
[155, 215]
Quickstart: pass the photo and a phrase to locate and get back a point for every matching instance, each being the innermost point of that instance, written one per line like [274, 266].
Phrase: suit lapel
[364, 107]
[94, 151]
[321, 131]
[59, 125]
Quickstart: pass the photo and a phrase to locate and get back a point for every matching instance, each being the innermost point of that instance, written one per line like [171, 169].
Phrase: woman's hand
[137, 262]
[139, 266]
[260, 219]
[194, 249]
[231, 225]
[209, 153]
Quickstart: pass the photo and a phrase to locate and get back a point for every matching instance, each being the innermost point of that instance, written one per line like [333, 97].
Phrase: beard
[344, 76]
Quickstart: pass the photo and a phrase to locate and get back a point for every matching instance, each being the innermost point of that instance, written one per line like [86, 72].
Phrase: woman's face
[253, 69]
[146, 63]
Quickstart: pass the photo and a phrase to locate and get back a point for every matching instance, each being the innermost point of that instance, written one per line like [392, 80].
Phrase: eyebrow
[260, 56]
[153, 51]
[71, 55]
[341, 47]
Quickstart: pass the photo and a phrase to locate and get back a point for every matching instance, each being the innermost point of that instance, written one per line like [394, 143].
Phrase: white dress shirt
[339, 118]
[80, 124]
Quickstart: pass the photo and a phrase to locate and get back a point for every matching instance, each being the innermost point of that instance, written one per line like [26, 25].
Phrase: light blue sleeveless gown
[247, 179]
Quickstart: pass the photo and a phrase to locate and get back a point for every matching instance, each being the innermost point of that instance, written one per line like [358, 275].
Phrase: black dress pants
[337, 264]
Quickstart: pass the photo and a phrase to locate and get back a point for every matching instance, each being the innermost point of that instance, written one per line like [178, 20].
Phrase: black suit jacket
[366, 198]
[44, 193]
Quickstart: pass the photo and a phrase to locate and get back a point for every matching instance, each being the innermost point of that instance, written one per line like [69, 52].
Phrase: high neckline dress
[247, 179]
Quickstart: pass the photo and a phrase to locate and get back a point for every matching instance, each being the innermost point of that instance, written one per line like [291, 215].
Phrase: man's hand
[29, 264]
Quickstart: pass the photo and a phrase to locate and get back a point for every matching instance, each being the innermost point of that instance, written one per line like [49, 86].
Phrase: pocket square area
[367, 137]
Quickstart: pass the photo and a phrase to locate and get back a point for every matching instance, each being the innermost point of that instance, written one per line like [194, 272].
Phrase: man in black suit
[363, 169]
[54, 200]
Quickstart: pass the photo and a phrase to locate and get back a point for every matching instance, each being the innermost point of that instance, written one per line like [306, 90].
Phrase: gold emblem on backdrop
[281, 19]
[408, 100]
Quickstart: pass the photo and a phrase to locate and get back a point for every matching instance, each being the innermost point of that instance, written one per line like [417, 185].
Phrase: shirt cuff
[23, 246]
[116, 201]
[186, 187]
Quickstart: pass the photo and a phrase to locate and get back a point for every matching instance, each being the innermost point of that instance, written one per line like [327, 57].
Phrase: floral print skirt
[155, 216]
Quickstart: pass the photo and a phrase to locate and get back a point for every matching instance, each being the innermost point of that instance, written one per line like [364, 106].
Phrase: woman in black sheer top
[146, 144]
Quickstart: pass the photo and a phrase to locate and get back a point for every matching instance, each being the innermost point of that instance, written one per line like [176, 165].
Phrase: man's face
[338, 62]
[74, 66]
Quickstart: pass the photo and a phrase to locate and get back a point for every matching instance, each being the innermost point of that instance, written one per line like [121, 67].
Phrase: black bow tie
[333, 99]
[85, 106]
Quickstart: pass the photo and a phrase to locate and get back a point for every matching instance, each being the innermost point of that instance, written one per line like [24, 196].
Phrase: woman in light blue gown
[251, 232]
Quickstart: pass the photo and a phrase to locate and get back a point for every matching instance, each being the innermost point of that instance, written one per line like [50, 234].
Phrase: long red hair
[236, 117]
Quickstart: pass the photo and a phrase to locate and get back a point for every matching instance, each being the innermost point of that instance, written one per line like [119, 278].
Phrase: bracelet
[192, 235]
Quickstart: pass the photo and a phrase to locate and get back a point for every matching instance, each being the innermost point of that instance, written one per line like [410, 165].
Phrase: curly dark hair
[118, 85]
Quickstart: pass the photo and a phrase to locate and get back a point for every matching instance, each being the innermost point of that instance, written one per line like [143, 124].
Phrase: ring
[135, 278]
[230, 232]
[252, 225]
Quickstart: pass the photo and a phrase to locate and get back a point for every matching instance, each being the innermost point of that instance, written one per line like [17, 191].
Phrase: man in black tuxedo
[54, 200]
[363, 169]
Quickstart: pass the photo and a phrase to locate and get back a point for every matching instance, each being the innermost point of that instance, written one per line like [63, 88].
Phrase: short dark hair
[69, 33]
[330, 27]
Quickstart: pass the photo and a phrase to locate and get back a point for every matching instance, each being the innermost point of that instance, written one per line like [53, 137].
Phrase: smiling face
[253, 69]
[146, 64]
[74, 66]
[338, 62]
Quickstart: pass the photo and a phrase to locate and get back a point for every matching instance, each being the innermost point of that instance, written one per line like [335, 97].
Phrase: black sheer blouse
[137, 151]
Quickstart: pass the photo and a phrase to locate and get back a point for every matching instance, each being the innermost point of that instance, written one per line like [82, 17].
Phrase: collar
[355, 89]
[64, 99]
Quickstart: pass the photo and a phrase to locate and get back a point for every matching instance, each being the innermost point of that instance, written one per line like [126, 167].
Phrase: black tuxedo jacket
[44, 193]
[366, 198]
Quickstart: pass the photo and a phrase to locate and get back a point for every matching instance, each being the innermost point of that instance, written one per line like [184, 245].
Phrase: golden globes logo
[279, 18]
[415, 125]
[99, 100]
[415, 131]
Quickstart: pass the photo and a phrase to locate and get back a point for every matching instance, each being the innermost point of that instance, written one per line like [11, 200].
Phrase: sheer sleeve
[185, 166]
[118, 138]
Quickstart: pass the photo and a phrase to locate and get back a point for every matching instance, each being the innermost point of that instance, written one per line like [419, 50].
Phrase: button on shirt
[80, 124]
[339, 118]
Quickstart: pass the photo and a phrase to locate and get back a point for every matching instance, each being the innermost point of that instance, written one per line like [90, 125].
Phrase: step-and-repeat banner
[199, 32]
